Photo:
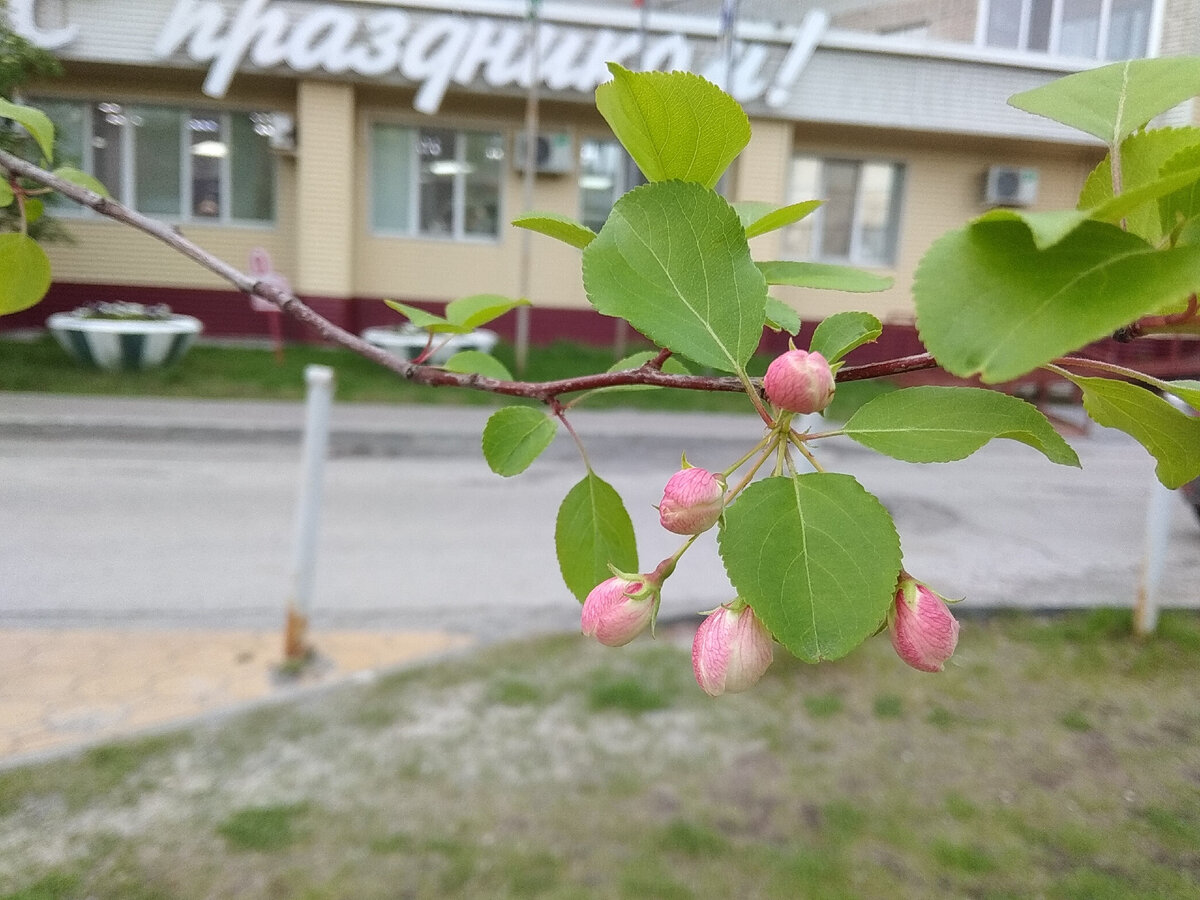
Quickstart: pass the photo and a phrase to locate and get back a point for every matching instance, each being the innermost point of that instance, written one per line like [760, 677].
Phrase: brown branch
[650, 374]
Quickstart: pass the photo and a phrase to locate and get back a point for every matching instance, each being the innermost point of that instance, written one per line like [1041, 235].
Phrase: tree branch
[650, 374]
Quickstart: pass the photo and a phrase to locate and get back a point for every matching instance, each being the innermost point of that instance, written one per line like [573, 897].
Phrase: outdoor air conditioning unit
[282, 134]
[1010, 186]
[553, 154]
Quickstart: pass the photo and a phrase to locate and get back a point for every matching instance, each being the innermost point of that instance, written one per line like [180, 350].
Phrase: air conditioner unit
[282, 134]
[553, 153]
[1010, 186]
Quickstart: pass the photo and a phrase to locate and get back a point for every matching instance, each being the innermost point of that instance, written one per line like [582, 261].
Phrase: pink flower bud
[731, 651]
[618, 610]
[799, 381]
[692, 501]
[923, 631]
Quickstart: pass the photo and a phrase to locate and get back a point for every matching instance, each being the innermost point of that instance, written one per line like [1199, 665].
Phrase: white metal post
[1158, 532]
[314, 449]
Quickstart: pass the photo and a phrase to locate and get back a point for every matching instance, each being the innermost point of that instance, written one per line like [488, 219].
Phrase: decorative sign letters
[437, 51]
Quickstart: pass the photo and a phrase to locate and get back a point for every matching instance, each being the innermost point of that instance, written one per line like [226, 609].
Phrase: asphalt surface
[163, 513]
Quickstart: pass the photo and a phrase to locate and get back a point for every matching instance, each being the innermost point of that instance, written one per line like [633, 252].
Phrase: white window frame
[1153, 34]
[855, 256]
[458, 188]
[127, 156]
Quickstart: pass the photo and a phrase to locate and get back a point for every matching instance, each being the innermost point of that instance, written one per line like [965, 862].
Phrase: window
[1095, 29]
[435, 182]
[192, 165]
[859, 221]
[606, 172]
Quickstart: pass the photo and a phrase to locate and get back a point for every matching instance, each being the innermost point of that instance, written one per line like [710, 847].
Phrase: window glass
[108, 124]
[482, 171]
[879, 205]
[156, 135]
[606, 172]
[1080, 28]
[69, 127]
[1004, 23]
[805, 184]
[208, 148]
[391, 177]
[436, 149]
[837, 213]
[252, 168]
[859, 220]
[1040, 14]
[1129, 29]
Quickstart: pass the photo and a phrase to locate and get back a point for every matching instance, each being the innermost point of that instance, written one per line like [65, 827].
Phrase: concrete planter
[124, 344]
[408, 343]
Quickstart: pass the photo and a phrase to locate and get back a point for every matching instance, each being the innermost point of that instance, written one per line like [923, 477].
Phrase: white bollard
[314, 449]
[1158, 533]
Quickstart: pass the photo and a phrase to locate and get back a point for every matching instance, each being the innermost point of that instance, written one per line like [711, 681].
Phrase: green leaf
[671, 366]
[468, 313]
[560, 228]
[592, 531]
[1143, 181]
[840, 333]
[823, 276]
[418, 316]
[463, 315]
[1170, 435]
[781, 317]
[34, 209]
[6, 193]
[761, 218]
[672, 260]
[24, 272]
[1114, 101]
[1188, 391]
[989, 302]
[83, 179]
[36, 122]
[674, 124]
[816, 556]
[476, 362]
[1184, 204]
[941, 424]
[514, 437]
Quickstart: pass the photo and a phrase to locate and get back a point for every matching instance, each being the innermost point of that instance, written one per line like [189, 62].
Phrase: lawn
[215, 371]
[1056, 757]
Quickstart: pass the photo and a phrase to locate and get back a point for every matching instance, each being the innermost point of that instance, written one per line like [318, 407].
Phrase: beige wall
[323, 240]
[105, 252]
[942, 191]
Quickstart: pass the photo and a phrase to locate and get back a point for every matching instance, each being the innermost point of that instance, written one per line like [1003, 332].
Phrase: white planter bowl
[407, 344]
[124, 344]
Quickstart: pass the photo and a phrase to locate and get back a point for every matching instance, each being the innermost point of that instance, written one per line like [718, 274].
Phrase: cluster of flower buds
[799, 382]
[732, 648]
[922, 629]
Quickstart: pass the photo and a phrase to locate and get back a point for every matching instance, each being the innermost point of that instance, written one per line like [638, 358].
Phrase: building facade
[375, 150]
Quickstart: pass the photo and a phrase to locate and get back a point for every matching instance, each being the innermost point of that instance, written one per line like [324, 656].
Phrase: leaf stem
[801, 445]
[561, 413]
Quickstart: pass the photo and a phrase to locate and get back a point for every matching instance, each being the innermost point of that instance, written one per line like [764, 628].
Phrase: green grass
[561, 769]
[222, 372]
[262, 828]
[211, 371]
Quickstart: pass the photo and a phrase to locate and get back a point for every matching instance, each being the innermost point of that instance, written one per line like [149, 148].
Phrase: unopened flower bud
[619, 609]
[692, 501]
[799, 382]
[731, 651]
[922, 629]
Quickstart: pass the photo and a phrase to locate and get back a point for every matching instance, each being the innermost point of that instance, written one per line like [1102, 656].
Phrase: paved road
[160, 513]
